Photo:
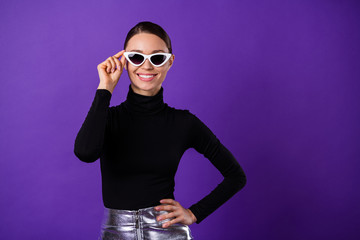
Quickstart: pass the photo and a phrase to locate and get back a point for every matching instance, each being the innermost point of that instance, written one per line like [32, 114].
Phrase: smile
[146, 77]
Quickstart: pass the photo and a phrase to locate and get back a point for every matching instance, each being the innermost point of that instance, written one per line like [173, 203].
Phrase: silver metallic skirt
[140, 224]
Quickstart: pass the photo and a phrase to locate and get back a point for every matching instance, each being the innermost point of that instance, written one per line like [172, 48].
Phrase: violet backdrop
[276, 81]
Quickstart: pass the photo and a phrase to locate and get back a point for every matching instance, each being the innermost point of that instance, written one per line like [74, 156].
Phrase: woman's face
[147, 43]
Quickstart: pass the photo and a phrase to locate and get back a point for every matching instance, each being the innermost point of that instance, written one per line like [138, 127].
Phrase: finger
[168, 200]
[102, 68]
[123, 61]
[118, 64]
[169, 223]
[167, 215]
[119, 53]
[113, 64]
[166, 208]
[108, 66]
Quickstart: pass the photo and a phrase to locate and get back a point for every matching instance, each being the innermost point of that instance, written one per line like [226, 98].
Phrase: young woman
[140, 143]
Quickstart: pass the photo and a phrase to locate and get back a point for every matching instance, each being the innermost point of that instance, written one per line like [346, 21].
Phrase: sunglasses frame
[167, 55]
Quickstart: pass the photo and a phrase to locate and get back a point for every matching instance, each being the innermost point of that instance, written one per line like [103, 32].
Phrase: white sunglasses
[156, 59]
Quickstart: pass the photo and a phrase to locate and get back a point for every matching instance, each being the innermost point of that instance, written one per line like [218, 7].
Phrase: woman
[140, 143]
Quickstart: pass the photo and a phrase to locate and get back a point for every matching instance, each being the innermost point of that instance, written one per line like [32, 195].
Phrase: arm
[90, 138]
[203, 140]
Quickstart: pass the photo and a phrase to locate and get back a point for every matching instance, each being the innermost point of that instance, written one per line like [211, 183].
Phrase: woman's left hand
[182, 215]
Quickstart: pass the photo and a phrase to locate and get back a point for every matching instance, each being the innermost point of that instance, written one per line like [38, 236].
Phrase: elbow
[242, 181]
[86, 156]
[239, 179]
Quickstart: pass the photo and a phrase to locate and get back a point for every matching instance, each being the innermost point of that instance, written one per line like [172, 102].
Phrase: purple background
[276, 81]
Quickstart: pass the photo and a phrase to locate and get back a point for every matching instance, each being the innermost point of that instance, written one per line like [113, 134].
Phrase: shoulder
[183, 113]
[181, 118]
[117, 111]
[116, 108]
[187, 118]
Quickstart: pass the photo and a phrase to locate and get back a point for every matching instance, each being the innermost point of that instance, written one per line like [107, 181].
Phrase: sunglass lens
[136, 58]
[158, 59]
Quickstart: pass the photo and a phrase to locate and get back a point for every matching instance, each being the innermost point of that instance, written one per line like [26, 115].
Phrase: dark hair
[149, 27]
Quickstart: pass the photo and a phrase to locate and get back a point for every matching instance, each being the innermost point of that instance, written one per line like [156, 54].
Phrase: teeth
[146, 76]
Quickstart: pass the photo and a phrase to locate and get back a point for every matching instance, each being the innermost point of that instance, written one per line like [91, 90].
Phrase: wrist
[193, 217]
[102, 86]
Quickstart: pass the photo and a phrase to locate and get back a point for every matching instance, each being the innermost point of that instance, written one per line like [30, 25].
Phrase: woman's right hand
[110, 71]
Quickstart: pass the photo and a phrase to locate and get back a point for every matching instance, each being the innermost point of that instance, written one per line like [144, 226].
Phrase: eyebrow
[135, 50]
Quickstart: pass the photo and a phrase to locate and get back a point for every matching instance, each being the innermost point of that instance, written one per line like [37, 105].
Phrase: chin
[148, 85]
[143, 85]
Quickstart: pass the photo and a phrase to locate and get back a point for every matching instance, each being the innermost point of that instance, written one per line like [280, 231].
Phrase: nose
[147, 64]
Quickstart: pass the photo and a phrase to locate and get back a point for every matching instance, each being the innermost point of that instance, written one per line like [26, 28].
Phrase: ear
[171, 60]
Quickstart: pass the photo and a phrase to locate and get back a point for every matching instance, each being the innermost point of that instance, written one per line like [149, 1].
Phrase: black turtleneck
[144, 105]
[140, 143]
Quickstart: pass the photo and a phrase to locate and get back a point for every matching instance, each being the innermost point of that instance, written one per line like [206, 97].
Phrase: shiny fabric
[140, 224]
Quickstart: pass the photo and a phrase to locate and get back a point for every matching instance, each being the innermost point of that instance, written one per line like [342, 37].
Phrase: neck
[144, 105]
[145, 93]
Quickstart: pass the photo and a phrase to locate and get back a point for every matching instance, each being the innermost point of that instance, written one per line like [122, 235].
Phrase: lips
[146, 76]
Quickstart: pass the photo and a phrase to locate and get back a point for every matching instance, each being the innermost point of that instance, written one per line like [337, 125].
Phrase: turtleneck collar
[144, 105]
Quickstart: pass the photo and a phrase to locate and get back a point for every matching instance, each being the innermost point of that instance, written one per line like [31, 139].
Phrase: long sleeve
[90, 138]
[203, 140]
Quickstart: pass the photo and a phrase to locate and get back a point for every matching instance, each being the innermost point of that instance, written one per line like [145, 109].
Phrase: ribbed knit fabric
[140, 143]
